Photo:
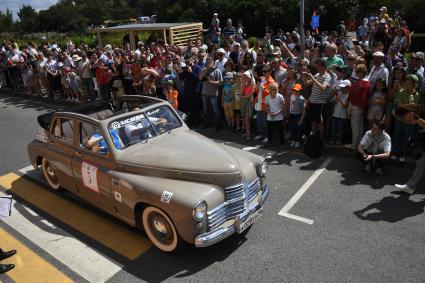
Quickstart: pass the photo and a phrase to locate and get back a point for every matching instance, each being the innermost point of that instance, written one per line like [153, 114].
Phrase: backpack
[314, 146]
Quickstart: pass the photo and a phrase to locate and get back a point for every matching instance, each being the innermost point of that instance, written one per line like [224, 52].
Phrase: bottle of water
[411, 99]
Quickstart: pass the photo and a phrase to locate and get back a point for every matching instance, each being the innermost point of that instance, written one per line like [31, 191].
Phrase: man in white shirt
[378, 71]
[140, 48]
[84, 71]
[375, 147]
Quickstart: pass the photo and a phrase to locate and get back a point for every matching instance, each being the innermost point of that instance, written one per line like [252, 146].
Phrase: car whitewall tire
[50, 175]
[160, 229]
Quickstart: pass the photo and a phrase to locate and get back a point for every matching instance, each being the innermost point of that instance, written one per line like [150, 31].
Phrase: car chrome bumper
[215, 236]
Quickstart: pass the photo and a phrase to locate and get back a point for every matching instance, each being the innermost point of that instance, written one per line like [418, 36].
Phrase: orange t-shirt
[172, 98]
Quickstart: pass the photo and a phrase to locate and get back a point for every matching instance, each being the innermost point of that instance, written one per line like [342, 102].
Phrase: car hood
[184, 154]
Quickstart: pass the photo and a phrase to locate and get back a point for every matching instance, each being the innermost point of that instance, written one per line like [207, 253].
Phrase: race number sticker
[166, 196]
[89, 173]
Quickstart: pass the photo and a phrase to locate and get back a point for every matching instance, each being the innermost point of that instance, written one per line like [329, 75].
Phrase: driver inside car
[143, 129]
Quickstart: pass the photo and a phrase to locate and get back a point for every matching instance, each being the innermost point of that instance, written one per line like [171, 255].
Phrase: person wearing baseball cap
[383, 15]
[378, 71]
[296, 115]
[339, 114]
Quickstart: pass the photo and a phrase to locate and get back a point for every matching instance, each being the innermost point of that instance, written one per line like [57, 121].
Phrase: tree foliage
[76, 15]
[6, 21]
[28, 19]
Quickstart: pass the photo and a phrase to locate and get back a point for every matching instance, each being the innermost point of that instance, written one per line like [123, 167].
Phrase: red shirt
[358, 94]
[103, 77]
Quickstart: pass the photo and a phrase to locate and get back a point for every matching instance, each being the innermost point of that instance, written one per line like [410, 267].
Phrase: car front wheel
[50, 174]
[160, 229]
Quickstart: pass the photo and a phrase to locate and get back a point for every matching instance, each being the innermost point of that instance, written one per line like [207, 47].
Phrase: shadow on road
[392, 209]
[156, 266]
[353, 173]
[29, 102]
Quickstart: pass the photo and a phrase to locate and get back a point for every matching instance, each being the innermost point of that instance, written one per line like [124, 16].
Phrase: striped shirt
[227, 32]
[319, 96]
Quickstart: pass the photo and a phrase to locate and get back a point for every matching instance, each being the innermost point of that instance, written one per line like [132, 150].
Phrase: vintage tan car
[142, 164]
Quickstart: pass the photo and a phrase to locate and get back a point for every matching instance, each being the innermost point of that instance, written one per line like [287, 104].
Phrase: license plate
[242, 226]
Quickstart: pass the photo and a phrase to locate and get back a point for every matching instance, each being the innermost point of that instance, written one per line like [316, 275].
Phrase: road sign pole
[302, 38]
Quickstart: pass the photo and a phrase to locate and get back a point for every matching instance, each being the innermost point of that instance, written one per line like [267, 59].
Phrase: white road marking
[296, 217]
[26, 170]
[73, 253]
[284, 211]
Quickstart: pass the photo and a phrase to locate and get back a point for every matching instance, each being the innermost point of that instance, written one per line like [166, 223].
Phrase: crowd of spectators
[340, 87]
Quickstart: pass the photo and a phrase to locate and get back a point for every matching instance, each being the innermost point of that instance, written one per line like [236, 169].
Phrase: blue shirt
[115, 138]
[102, 143]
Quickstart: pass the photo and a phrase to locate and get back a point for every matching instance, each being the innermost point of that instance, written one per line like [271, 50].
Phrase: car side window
[91, 138]
[64, 129]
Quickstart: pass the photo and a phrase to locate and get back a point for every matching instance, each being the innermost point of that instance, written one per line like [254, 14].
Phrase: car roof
[99, 112]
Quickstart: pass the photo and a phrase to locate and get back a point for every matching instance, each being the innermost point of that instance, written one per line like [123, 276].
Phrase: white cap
[221, 50]
[378, 54]
[182, 65]
[344, 83]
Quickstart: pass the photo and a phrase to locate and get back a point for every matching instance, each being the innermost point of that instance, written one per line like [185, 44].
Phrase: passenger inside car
[97, 144]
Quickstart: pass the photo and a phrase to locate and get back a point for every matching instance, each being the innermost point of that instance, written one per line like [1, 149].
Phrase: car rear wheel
[50, 174]
[160, 229]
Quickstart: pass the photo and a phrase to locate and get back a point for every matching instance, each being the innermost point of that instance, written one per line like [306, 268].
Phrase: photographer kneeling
[419, 172]
[375, 147]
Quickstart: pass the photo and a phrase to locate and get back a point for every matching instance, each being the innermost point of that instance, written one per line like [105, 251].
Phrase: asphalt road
[362, 230]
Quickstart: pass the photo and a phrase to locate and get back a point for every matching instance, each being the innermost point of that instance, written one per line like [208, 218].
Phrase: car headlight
[262, 171]
[199, 211]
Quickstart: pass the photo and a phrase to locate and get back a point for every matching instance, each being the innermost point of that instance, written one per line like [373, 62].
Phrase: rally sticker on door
[89, 173]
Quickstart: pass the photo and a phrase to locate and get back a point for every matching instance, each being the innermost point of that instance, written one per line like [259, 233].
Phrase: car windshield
[143, 126]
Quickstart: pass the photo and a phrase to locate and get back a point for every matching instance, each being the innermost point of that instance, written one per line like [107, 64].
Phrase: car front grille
[237, 198]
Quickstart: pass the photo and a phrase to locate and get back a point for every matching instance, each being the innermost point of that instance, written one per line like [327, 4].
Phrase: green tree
[6, 21]
[28, 19]
[95, 11]
[62, 17]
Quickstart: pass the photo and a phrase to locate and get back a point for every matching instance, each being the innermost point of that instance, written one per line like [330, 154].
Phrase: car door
[91, 166]
[60, 151]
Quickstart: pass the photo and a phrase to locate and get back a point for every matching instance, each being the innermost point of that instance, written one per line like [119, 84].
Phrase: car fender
[175, 197]
[36, 151]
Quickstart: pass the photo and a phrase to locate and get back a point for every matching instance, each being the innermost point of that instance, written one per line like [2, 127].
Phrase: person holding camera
[375, 147]
[419, 172]
[212, 79]
[406, 100]
[103, 78]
